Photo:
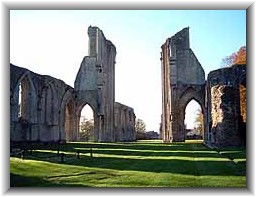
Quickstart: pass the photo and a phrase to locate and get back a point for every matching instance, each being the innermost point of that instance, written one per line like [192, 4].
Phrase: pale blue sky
[55, 42]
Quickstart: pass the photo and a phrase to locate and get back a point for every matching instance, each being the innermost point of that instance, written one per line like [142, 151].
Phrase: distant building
[149, 135]
[152, 135]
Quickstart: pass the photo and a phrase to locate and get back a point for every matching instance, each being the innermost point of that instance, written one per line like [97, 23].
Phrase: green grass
[140, 164]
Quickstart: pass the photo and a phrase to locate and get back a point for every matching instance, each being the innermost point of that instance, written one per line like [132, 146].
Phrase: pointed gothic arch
[28, 100]
[68, 130]
[23, 108]
[188, 95]
[84, 117]
[96, 117]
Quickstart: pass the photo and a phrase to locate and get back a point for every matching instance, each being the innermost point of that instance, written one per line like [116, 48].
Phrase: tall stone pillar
[165, 93]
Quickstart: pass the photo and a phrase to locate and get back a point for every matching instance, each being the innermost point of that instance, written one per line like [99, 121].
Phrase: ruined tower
[95, 83]
[183, 79]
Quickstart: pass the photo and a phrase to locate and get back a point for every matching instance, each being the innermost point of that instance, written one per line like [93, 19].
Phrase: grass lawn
[138, 164]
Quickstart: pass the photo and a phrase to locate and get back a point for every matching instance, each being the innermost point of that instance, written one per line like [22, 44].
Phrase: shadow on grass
[176, 166]
[152, 149]
[23, 181]
[112, 159]
[132, 146]
[146, 153]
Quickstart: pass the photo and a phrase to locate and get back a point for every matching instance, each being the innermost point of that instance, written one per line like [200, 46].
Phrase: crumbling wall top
[227, 76]
[96, 40]
[181, 39]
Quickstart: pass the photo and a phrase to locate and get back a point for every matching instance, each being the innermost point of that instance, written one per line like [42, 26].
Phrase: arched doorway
[191, 97]
[194, 121]
[23, 109]
[26, 99]
[68, 119]
[71, 134]
[86, 124]
[88, 112]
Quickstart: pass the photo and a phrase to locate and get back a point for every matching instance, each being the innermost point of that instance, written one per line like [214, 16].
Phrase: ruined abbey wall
[51, 109]
[225, 118]
[45, 109]
[183, 79]
[124, 123]
[95, 83]
[220, 96]
[41, 114]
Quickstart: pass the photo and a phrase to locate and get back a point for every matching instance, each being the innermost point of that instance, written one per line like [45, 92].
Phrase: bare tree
[140, 126]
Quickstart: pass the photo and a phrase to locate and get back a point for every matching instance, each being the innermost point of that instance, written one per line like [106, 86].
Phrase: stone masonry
[183, 79]
[226, 125]
[124, 123]
[45, 109]
[95, 83]
[220, 97]
[41, 113]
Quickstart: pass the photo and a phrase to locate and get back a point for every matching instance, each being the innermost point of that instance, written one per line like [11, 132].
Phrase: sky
[54, 42]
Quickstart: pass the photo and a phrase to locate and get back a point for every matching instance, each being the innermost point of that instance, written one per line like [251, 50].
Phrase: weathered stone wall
[166, 131]
[222, 97]
[95, 85]
[183, 79]
[50, 109]
[124, 123]
[42, 102]
[225, 118]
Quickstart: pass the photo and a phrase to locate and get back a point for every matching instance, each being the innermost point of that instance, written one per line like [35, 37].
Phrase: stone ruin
[45, 109]
[220, 96]
[225, 117]
[183, 79]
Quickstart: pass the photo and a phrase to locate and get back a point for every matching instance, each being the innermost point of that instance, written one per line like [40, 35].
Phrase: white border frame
[7, 5]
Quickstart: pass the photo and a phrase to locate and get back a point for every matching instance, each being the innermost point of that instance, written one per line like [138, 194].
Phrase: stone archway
[194, 122]
[183, 79]
[86, 124]
[96, 118]
[184, 101]
[177, 118]
[25, 93]
[68, 130]
[23, 109]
